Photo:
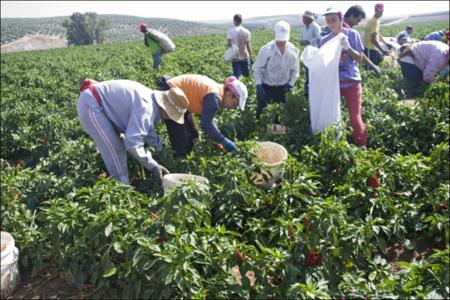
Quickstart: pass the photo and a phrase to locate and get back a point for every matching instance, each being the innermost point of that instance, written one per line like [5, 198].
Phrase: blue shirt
[211, 104]
[348, 67]
[434, 36]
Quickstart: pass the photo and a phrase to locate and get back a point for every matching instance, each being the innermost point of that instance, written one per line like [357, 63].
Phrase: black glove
[286, 88]
[158, 173]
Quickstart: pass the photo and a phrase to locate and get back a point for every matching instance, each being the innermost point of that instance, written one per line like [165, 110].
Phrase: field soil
[34, 42]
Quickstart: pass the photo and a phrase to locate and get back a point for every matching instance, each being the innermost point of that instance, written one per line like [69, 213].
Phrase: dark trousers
[272, 94]
[182, 136]
[374, 55]
[411, 72]
[240, 68]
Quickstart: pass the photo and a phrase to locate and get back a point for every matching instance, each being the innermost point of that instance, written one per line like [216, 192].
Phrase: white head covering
[282, 30]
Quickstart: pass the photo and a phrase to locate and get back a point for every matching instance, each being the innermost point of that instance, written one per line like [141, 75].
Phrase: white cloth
[311, 34]
[239, 37]
[324, 93]
[275, 69]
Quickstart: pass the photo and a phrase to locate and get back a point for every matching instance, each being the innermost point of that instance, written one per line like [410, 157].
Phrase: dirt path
[34, 42]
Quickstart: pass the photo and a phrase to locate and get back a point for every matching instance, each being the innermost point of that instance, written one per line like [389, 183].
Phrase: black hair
[237, 18]
[409, 27]
[356, 11]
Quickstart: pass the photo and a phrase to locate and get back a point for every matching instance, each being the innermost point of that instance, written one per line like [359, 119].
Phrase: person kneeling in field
[205, 97]
[109, 108]
[423, 60]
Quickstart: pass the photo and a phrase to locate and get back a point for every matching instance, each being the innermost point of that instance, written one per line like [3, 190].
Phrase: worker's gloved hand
[159, 172]
[229, 145]
[260, 93]
[344, 42]
[286, 88]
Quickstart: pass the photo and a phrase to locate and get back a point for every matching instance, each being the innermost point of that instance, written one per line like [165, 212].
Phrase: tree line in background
[85, 29]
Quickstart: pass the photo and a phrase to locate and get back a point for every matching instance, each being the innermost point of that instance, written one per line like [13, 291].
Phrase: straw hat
[174, 102]
[309, 14]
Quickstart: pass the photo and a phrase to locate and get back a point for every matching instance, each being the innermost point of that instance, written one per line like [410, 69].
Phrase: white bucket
[172, 180]
[272, 156]
[9, 265]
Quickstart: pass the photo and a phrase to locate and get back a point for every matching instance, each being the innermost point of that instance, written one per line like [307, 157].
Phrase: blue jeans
[157, 60]
[240, 68]
[411, 72]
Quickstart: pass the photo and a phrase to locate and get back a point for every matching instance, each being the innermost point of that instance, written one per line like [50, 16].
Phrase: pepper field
[344, 222]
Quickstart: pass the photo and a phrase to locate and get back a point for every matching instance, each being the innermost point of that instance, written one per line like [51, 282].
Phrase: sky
[205, 10]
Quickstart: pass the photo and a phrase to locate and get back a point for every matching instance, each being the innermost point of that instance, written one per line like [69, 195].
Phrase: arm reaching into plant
[211, 104]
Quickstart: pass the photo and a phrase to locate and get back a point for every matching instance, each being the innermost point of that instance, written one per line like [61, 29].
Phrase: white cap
[332, 10]
[282, 30]
[241, 89]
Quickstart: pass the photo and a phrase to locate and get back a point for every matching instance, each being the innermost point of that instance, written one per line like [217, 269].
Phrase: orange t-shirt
[195, 87]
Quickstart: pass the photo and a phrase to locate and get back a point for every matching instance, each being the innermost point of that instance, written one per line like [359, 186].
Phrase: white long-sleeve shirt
[311, 34]
[276, 69]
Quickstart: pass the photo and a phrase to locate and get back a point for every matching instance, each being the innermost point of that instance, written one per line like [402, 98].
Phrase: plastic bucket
[272, 156]
[9, 265]
[171, 181]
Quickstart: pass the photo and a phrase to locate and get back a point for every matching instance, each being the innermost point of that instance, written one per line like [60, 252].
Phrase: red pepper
[374, 182]
[239, 256]
[373, 194]
[219, 147]
[442, 205]
[278, 181]
[313, 259]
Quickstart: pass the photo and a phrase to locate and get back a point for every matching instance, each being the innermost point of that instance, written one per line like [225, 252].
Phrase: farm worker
[276, 68]
[310, 36]
[206, 97]
[240, 37]
[352, 17]
[423, 60]
[406, 33]
[153, 45]
[372, 37]
[402, 39]
[349, 77]
[109, 108]
[435, 36]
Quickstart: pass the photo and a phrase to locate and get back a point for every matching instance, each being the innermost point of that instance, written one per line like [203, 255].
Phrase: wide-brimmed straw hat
[174, 102]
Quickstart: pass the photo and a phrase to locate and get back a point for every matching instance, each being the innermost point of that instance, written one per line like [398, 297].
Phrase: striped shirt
[430, 57]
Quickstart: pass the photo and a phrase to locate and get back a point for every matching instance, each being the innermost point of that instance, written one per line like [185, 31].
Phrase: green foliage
[85, 29]
[133, 242]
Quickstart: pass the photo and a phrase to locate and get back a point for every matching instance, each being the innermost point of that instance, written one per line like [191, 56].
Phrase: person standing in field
[352, 18]
[406, 33]
[240, 37]
[310, 36]
[373, 38]
[206, 97]
[107, 109]
[423, 60]
[153, 45]
[276, 68]
[349, 77]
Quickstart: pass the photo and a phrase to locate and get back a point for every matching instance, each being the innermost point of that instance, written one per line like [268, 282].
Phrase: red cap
[379, 6]
[142, 27]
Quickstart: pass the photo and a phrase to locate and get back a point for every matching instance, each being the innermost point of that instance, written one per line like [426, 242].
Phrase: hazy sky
[204, 10]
